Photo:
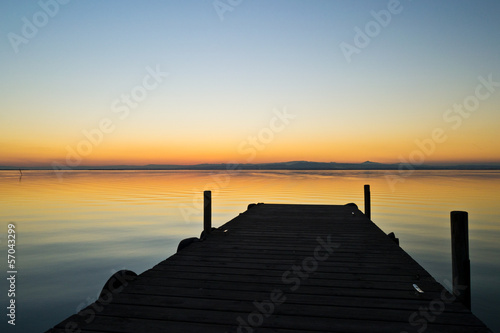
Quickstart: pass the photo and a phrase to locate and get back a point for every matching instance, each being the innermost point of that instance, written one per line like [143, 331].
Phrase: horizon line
[288, 165]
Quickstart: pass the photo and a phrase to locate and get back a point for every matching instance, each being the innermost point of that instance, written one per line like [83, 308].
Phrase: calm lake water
[72, 235]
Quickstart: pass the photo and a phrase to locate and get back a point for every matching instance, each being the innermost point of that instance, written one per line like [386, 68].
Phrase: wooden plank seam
[291, 278]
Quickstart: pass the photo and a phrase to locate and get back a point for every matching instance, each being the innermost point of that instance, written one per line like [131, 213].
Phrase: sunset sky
[185, 82]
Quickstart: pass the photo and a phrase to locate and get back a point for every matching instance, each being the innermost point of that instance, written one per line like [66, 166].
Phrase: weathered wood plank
[169, 304]
[294, 298]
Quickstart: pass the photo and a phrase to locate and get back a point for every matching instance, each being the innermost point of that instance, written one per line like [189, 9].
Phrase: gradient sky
[231, 69]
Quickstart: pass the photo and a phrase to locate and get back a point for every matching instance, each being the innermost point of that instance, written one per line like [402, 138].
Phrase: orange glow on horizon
[350, 149]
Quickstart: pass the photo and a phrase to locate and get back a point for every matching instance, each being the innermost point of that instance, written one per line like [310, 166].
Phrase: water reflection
[74, 234]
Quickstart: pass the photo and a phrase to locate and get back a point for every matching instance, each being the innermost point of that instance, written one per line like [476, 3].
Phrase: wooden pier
[281, 268]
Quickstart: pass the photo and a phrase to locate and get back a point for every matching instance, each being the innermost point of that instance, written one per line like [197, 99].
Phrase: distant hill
[293, 165]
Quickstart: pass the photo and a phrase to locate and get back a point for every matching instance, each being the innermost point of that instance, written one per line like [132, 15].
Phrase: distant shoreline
[296, 165]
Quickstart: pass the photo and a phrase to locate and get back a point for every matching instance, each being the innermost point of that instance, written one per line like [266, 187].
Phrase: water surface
[75, 233]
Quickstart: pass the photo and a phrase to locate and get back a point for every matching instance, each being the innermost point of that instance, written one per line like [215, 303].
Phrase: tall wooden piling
[207, 212]
[368, 209]
[460, 256]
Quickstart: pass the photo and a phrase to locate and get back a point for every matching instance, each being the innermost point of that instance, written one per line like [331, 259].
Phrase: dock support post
[207, 212]
[368, 210]
[460, 256]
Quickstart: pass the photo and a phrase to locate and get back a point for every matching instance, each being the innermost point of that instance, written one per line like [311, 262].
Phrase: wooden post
[368, 210]
[460, 256]
[207, 212]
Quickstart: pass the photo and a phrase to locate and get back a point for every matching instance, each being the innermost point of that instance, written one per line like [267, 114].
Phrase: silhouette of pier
[281, 268]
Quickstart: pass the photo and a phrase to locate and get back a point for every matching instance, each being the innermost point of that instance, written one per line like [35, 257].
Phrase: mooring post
[460, 256]
[207, 212]
[368, 210]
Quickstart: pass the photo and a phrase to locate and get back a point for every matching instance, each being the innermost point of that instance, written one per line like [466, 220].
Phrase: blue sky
[226, 77]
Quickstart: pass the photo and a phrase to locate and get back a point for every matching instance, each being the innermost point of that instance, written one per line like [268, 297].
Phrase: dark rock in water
[393, 237]
[186, 242]
[115, 284]
[351, 204]
[202, 235]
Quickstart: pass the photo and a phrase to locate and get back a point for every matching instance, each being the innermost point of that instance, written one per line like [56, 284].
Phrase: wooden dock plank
[171, 304]
[284, 268]
[250, 296]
